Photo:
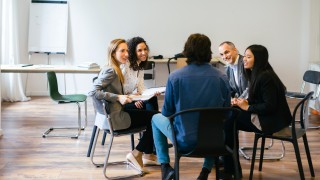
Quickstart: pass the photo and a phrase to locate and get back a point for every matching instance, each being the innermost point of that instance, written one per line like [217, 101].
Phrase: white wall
[288, 28]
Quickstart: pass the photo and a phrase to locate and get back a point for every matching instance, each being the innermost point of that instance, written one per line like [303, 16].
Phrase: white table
[46, 68]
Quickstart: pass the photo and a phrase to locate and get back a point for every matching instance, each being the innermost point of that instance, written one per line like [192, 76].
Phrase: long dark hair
[197, 49]
[260, 66]
[132, 45]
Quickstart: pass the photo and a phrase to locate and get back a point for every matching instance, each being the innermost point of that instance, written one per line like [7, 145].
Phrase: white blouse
[133, 80]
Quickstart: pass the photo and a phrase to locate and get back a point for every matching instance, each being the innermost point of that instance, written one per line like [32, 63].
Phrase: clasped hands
[241, 103]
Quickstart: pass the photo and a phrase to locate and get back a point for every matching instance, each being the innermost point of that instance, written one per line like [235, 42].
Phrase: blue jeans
[161, 131]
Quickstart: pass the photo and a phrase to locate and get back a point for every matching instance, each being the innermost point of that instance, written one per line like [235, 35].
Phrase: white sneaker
[132, 160]
[148, 162]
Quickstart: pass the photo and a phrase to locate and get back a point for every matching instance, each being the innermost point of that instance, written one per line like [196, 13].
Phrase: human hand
[242, 103]
[124, 99]
[157, 93]
[139, 104]
[233, 102]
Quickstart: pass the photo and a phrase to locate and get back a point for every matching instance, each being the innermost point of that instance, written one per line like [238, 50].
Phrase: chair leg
[254, 151]
[94, 148]
[236, 166]
[48, 131]
[106, 162]
[104, 138]
[94, 129]
[242, 151]
[132, 142]
[85, 115]
[263, 142]
[306, 146]
[176, 166]
[107, 157]
[296, 150]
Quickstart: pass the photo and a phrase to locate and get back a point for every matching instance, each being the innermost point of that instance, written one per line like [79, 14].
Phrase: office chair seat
[297, 95]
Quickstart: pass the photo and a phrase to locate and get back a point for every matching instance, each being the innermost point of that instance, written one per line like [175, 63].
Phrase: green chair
[63, 99]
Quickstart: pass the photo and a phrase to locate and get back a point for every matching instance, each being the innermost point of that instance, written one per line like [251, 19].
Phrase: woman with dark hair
[109, 86]
[266, 109]
[133, 71]
[266, 98]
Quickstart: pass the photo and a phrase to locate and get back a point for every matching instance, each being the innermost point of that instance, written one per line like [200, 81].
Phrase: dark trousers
[151, 104]
[141, 117]
[244, 124]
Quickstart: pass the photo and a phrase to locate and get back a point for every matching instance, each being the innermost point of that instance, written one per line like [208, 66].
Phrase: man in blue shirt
[196, 85]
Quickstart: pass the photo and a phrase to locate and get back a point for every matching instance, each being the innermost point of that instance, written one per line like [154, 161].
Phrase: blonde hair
[112, 61]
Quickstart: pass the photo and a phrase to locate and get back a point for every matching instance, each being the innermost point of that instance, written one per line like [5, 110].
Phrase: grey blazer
[108, 86]
[243, 83]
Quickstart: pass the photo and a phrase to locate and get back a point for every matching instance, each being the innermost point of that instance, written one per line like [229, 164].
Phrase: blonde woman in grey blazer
[108, 86]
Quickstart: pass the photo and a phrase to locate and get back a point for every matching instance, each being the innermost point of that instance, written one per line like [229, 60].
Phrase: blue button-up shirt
[194, 86]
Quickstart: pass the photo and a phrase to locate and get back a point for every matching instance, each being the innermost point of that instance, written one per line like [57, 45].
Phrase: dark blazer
[270, 104]
[243, 83]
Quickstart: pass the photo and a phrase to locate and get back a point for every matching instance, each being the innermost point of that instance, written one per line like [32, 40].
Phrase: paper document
[151, 91]
[140, 97]
[147, 94]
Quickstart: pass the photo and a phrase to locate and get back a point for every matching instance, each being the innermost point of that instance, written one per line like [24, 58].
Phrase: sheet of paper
[151, 91]
[140, 97]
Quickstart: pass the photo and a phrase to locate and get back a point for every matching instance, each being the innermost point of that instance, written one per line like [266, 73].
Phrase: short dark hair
[132, 45]
[197, 49]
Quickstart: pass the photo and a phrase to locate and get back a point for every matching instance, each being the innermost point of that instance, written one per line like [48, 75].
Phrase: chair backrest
[302, 107]
[211, 134]
[102, 119]
[53, 86]
[312, 77]
[149, 66]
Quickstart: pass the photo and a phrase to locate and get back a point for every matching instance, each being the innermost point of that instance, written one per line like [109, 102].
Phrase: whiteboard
[48, 27]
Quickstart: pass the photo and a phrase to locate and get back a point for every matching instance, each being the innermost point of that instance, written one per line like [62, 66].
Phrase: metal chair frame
[64, 99]
[242, 151]
[113, 134]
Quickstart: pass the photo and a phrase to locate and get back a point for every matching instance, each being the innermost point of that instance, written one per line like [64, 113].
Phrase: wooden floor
[24, 154]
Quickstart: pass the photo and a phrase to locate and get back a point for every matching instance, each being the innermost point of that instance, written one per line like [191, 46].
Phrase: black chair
[101, 107]
[94, 129]
[211, 140]
[310, 77]
[64, 99]
[149, 72]
[292, 135]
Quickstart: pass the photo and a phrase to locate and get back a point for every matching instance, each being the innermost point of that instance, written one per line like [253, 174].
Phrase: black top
[270, 104]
